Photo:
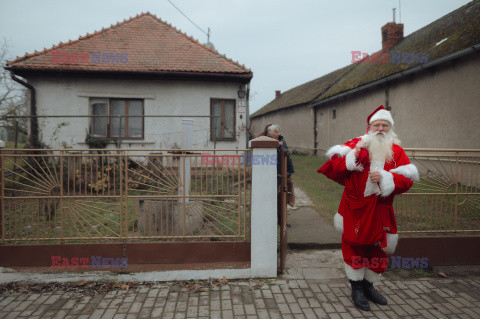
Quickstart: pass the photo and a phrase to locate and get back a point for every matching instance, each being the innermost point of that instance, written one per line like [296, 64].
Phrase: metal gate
[282, 210]
[447, 198]
[124, 196]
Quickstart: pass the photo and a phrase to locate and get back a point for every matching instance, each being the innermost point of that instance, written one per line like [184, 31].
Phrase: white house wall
[70, 96]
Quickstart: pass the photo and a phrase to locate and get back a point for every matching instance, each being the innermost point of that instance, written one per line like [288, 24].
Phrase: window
[222, 122]
[334, 114]
[117, 120]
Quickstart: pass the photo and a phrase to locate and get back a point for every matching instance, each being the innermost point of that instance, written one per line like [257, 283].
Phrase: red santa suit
[365, 214]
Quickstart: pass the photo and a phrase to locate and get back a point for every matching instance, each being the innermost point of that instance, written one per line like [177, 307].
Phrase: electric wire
[207, 34]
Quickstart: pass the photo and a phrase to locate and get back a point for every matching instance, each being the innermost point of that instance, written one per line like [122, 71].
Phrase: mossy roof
[459, 30]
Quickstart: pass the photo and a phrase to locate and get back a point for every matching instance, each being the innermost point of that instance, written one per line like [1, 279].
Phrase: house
[133, 83]
[429, 80]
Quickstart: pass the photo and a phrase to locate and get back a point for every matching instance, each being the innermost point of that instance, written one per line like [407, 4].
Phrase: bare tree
[14, 98]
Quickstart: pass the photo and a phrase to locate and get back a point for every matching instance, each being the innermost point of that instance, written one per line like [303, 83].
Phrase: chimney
[392, 33]
[278, 94]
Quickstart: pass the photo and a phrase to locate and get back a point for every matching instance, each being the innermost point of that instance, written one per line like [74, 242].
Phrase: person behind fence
[373, 168]
[273, 131]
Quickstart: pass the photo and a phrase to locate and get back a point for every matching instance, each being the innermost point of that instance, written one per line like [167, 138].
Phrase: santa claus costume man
[373, 168]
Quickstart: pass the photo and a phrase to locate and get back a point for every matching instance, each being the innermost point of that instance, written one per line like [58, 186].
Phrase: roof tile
[150, 44]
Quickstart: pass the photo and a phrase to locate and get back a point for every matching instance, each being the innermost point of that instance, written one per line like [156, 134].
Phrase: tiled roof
[304, 93]
[459, 30]
[144, 43]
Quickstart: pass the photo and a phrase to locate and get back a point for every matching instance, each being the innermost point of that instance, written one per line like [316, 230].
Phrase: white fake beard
[379, 145]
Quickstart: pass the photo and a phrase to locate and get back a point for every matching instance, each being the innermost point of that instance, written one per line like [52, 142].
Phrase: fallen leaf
[223, 280]
[259, 285]
[117, 284]
[125, 287]
[442, 274]
[192, 287]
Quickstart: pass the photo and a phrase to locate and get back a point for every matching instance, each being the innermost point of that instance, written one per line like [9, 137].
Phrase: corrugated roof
[148, 43]
[459, 30]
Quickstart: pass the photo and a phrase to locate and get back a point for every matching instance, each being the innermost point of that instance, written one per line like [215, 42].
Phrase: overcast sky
[285, 43]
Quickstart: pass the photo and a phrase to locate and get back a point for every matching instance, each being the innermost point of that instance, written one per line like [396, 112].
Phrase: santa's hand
[375, 177]
[359, 146]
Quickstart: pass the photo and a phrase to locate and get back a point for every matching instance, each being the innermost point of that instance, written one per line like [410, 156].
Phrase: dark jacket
[290, 169]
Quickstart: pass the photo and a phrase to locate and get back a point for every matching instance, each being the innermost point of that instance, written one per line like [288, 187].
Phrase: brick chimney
[278, 94]
[392, 33]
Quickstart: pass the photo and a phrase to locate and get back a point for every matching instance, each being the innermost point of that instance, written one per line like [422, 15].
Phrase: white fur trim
[340, 150]
[351, 162]
[386, 183]
[371, 276]
[371, 188]
[338, 222]
[392, 241]
[410, 171]
[354, 274]
[382, 115]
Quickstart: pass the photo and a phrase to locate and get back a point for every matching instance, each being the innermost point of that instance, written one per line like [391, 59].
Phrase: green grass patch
[324, 193]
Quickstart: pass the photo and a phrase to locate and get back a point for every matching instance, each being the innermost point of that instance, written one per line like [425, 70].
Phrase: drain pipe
[33, 111]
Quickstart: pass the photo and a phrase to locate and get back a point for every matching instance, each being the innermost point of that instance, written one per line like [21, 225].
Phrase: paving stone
[157, 312]
[109, 314]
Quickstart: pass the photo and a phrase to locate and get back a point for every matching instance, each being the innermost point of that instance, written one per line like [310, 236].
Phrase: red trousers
[365, 256]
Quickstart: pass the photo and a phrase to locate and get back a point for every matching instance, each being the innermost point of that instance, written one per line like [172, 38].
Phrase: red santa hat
[380, 113]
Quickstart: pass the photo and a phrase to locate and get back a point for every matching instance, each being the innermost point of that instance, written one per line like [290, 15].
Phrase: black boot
[358, 296]
[372, 294]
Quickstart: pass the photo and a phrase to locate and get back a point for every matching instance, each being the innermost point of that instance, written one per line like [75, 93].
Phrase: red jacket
[367, 208]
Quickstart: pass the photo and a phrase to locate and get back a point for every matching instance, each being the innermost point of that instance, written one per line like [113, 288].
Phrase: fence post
[264, 207]
[2, 194]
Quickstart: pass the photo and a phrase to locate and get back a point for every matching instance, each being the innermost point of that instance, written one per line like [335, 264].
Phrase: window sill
[148, 141]
[223, 140]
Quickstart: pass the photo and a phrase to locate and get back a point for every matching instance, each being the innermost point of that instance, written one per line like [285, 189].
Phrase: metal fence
[123, 195]
[447, 199]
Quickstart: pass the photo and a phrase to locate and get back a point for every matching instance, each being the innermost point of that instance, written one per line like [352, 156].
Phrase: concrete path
[309, 230]
[313, 287]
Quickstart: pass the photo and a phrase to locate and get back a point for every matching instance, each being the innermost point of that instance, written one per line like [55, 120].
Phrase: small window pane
[217, 119]
[228, 130]
[118, 108]
[135, 123]
[99, 124]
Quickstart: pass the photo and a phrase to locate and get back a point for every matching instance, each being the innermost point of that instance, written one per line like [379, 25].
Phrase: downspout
[315, 143]
[33, 111]
[247, 113]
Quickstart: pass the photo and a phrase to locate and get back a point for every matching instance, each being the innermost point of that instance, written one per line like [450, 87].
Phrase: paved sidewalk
[314, 286]
[288, 298]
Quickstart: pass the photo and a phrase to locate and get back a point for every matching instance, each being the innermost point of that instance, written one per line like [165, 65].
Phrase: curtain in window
[118, 108]
[99, 124]
[217, 119]
[135, 123]
[228, 129]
